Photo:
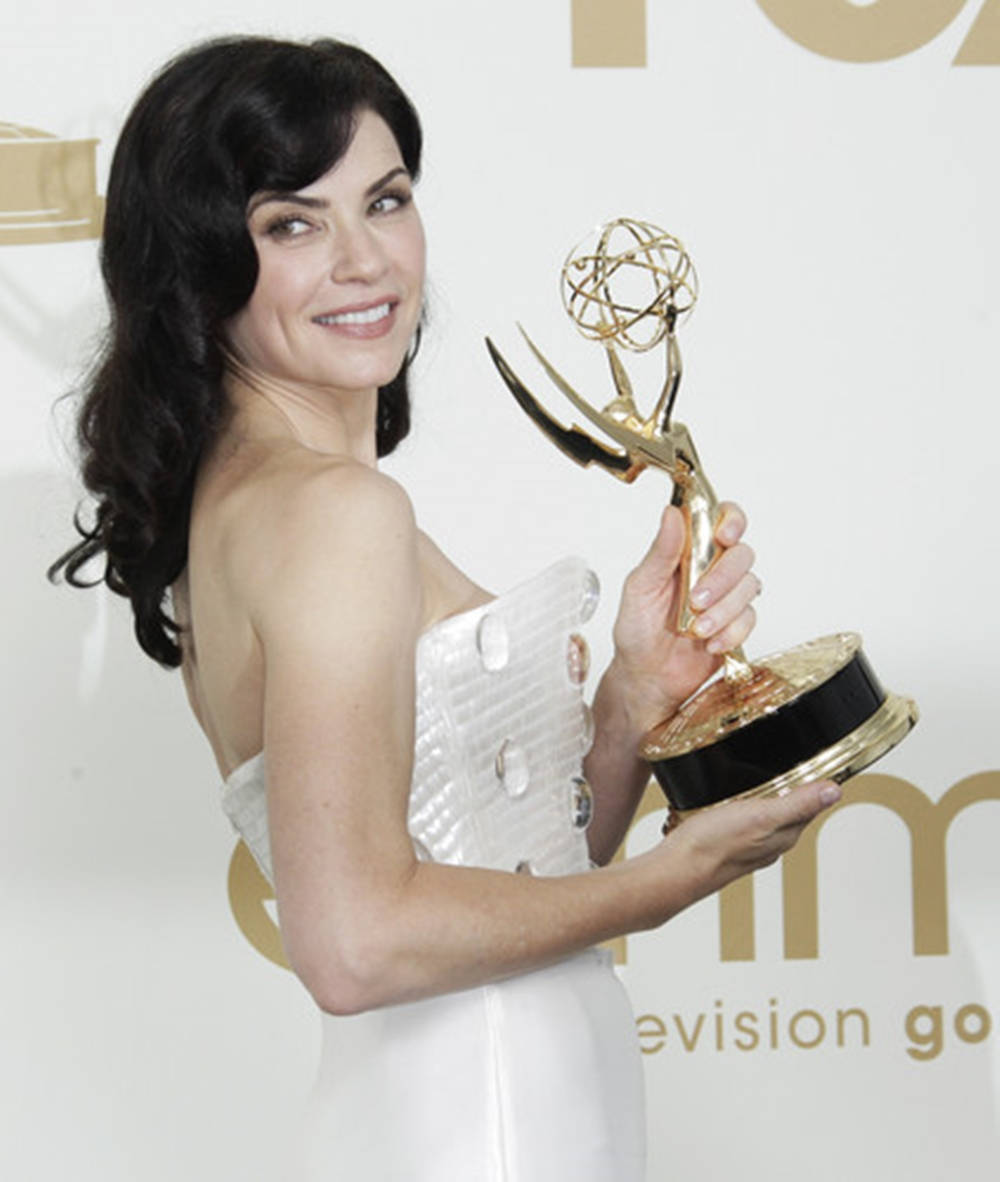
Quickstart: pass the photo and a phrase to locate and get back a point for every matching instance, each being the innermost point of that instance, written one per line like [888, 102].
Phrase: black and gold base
[816, 711]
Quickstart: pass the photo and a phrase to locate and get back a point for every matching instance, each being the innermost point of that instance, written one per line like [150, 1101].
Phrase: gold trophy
[814, 711]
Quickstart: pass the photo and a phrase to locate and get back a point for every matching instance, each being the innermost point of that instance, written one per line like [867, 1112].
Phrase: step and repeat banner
[830, 166]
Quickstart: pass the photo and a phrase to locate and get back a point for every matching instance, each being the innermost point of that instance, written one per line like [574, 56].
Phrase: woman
[401, 751]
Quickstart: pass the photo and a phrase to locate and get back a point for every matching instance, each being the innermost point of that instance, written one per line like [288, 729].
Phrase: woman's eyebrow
[318, 202]
[291, 198]
[399, 170]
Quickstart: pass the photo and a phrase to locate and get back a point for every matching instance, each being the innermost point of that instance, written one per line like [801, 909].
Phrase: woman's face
[341, 276]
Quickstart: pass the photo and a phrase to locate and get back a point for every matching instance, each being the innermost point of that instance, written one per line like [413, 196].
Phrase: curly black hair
[220, 122]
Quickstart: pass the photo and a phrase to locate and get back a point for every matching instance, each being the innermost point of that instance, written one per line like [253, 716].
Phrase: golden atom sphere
[627, 283]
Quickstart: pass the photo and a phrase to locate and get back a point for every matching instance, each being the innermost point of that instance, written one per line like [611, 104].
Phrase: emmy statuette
[813, 711]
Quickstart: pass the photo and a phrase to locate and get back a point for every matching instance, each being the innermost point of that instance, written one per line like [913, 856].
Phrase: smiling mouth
[360, 316]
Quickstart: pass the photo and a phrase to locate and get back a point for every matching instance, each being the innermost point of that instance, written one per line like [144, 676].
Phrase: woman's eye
[292, 226]
[387, 202]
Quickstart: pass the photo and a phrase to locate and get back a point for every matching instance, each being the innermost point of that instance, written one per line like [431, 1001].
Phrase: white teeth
[366, 316]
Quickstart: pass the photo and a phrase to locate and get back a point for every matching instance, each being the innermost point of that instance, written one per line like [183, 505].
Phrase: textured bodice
[501, 731]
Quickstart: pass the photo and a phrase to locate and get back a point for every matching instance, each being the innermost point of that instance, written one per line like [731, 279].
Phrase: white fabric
[533, 1079]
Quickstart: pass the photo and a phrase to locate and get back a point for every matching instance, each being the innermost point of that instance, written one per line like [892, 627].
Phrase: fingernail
[830, 794]
[701, 597]
[704, 626]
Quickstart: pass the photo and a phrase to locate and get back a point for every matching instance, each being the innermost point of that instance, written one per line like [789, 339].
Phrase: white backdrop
[841, 379]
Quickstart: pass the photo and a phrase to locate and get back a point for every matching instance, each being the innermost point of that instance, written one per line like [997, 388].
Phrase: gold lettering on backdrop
[805, 1030]
[928, 823]
[852, 33]
[737, 936]
[609, 32]
[929, 1030]
[982, 46]
[48, 187]
[981, 1025]
[652, 1033]
[925, 1027]
[884, 29]
[249, 890]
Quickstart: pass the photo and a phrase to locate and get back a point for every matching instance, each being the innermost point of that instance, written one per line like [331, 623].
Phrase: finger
[664, 554]
[733, 634]
[729, 608]
[782, 819]
[723, 576]
[796, 807]
[730, 524]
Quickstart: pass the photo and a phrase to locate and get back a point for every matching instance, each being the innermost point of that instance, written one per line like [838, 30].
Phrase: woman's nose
[357, 254]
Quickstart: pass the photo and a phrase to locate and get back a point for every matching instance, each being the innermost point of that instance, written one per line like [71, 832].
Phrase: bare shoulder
[297, 492]
[300, 529]
[299, 506]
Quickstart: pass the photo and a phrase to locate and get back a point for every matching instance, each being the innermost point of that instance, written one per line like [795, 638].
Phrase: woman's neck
[323, 420]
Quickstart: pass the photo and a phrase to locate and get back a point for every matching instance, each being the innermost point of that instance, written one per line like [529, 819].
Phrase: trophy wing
[643, 449]
[573, 442]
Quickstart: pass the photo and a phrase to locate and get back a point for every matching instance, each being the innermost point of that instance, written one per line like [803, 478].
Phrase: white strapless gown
[536, 1078]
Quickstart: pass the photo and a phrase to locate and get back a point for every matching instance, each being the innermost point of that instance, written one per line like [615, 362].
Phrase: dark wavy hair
[219, 123]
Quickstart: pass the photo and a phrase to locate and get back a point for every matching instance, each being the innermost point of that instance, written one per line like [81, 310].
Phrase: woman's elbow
[342, 999]
[337, 993]
[343, 981]
[350, 958]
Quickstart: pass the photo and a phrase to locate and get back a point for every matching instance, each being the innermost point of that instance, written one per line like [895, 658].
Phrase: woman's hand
[654, 669]
[713, 847]
[658, 667]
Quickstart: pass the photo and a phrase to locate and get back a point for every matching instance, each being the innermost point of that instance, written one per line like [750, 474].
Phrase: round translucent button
[583, 803]
[511, 766]
[492, 643]
[523, 867]
[577, 658]
[591, 596]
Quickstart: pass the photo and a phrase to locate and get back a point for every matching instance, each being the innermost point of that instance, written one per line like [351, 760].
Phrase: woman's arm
[365, 924]
[414, 929]
[654, 670]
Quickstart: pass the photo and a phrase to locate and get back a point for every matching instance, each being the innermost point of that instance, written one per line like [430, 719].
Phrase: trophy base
[814, 712]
